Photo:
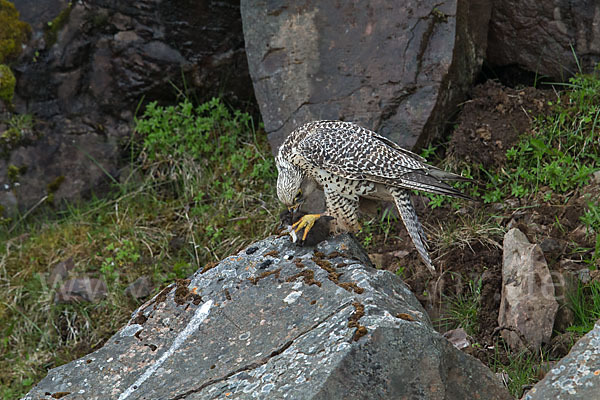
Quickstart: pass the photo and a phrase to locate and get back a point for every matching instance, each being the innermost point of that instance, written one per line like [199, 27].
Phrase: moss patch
[13, 32]
[7, 83]
[54, 26]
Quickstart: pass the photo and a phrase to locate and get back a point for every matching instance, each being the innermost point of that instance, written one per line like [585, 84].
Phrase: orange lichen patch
[272, 253]
[59, 395]
[597, 372]
[405, 316]
[183, 294]
[257, 278]
[195, 290]
[326, 265]
[334, 254]
[209, 265]
[308, 276]
[360, 332]
[351, 286]
[359, 312]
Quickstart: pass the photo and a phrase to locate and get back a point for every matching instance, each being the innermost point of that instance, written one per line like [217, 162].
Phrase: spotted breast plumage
[348, 162]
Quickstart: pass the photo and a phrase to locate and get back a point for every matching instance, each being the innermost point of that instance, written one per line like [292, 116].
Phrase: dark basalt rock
[314, 323]
[542, 35]
[397, 68]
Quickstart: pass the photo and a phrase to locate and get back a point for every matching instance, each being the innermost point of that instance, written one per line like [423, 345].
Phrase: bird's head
[291, 185]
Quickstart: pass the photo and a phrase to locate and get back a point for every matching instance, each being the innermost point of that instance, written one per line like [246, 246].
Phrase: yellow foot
[306, 222]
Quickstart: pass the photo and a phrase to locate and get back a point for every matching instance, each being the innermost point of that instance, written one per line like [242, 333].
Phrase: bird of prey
[348, 162]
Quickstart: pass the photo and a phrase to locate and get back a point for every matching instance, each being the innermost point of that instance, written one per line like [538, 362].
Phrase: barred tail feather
[412, 224]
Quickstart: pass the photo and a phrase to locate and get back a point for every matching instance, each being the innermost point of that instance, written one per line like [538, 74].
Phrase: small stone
[140, 288]
[458, 337]
[251, 250]
[81, 289]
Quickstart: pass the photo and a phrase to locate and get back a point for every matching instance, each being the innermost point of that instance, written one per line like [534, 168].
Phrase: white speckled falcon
[349, 162]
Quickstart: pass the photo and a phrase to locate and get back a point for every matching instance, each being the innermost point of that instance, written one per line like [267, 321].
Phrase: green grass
[584, 300]
[461, 309]
[521, 369]
[200, 186]
[561, 152]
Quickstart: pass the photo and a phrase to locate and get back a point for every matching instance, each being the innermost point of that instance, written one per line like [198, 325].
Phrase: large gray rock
[397, 68]
[278, 321]
[84, 88]
[541, 36]
[528, 305]
[576, 376]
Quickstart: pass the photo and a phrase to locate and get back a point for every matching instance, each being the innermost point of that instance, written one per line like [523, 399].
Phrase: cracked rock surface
[576, 376]
[278, 321]
[397, 68]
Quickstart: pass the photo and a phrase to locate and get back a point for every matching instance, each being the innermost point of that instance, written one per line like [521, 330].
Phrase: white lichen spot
[267, 388]
[130, 330]
[250, 387]
[292, 297]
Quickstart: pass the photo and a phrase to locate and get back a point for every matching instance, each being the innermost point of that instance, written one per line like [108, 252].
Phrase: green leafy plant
[584, 300]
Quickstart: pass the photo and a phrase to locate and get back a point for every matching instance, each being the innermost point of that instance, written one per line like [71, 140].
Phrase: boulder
[278, 321]
[528, 306]
[551, 38]
[576, 376]
[83, 76]
[397, 68]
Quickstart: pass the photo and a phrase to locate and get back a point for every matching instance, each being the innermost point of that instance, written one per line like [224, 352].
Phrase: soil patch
[492, 121]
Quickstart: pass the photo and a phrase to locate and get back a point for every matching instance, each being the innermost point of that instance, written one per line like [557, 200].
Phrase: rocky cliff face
[85, 72]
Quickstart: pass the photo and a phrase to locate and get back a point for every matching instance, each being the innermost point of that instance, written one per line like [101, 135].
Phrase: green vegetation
[519, 370]
[13, 32]
[584, 300]
[200, 186]
[54, 26]
[463, 309]
[7, 84]
[560, 154]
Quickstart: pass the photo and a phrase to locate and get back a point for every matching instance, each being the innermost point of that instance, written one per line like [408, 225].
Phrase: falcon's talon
[307, 222]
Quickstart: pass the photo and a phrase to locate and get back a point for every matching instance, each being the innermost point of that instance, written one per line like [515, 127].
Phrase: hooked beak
[294, 208]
